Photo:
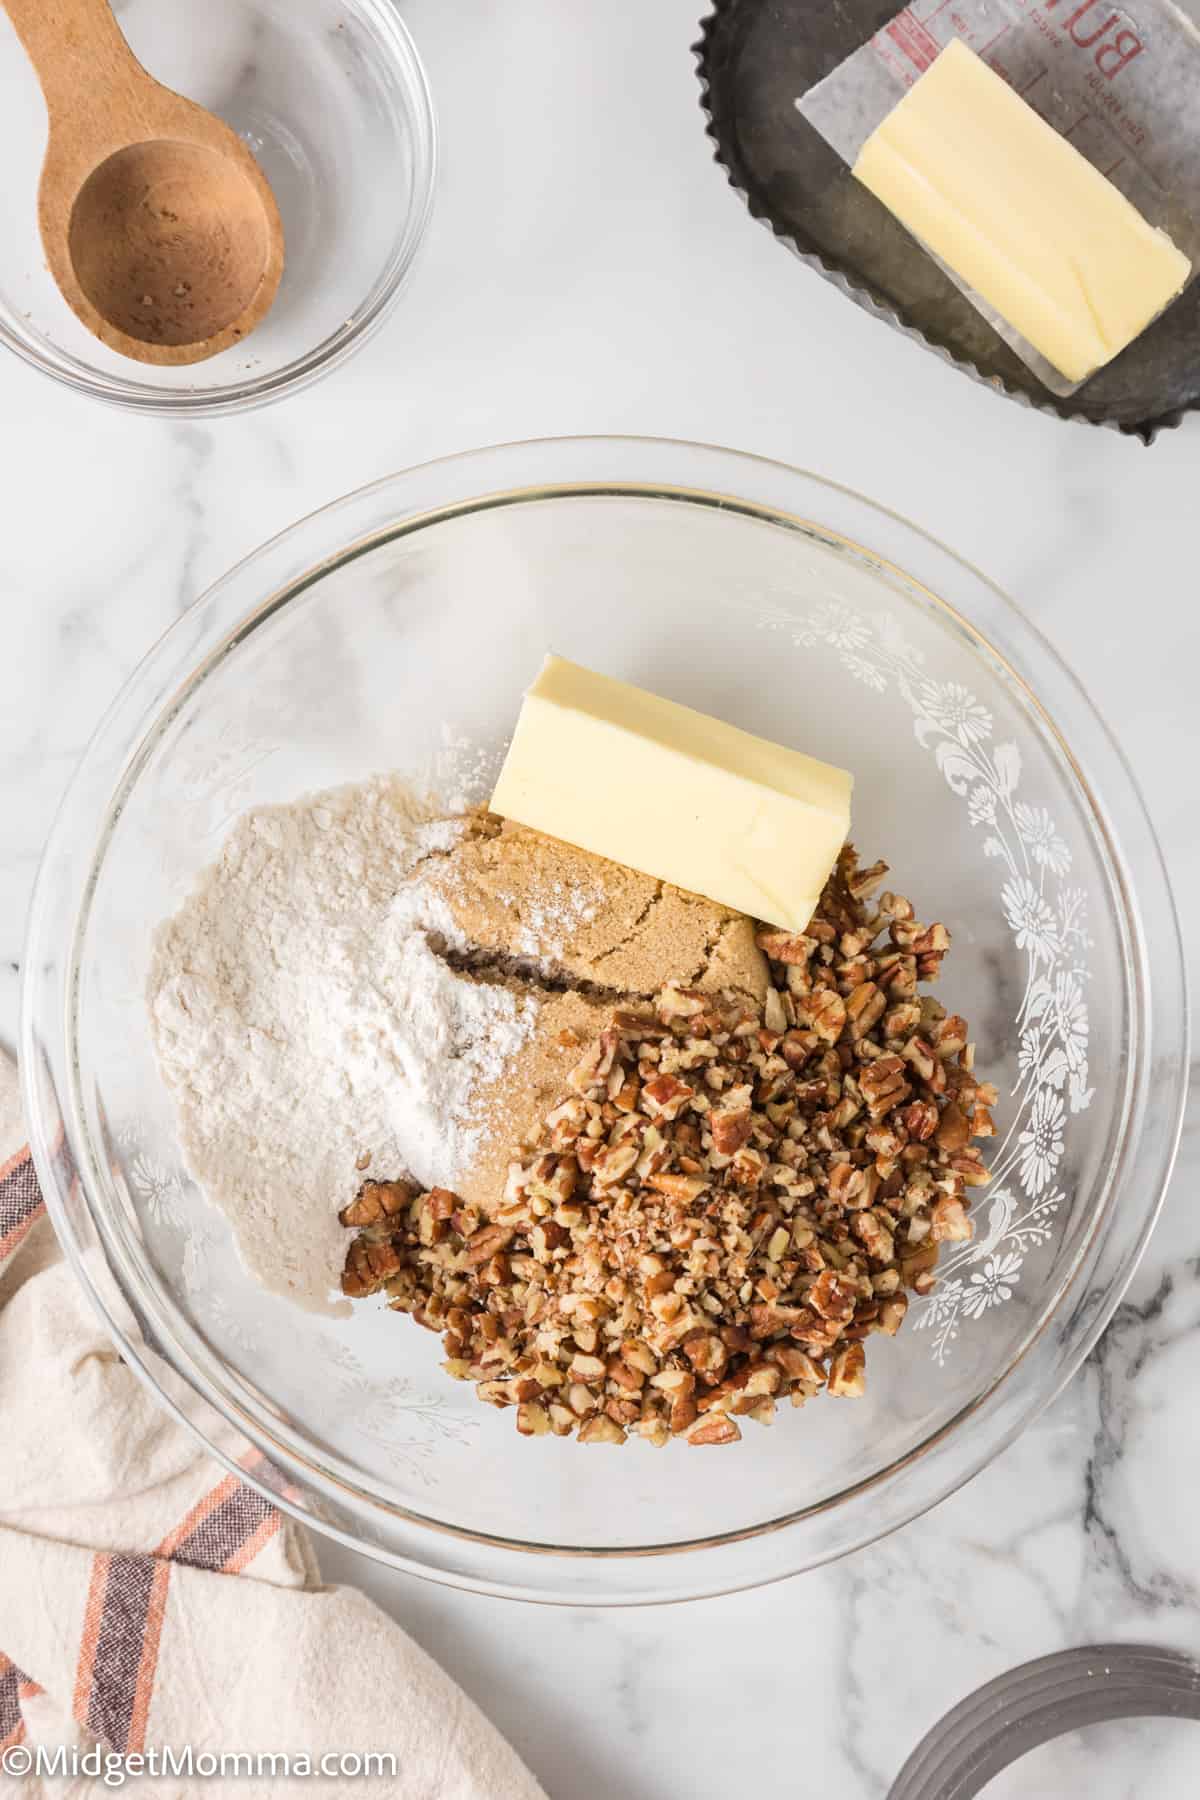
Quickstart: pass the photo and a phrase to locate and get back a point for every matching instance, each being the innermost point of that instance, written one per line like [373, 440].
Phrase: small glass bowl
[406, 619]
[331, 97]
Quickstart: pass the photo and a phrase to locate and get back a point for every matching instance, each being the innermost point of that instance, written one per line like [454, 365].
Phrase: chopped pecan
[832, 1297]
[785, 946]
[485, 1243]
[665, 1097]
[847, 1372]
[369, 1266]
[954, 1130]
[717, 1429]
[727, 1199]
[731, 1124]
[949, 1221]
[377, 1201]
[600, 1429]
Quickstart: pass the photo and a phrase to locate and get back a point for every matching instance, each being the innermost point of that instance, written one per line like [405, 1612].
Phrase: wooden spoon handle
[81, 58]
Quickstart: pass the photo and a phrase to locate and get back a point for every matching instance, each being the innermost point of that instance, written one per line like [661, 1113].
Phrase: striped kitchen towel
[151, 1604]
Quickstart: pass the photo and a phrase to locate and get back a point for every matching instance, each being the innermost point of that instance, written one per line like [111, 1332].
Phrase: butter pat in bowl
[675, 794]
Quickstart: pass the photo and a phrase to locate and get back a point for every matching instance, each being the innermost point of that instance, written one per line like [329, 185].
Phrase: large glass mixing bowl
[404, 621]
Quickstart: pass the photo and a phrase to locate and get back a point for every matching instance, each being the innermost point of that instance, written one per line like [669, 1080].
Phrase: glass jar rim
[1040, 1701]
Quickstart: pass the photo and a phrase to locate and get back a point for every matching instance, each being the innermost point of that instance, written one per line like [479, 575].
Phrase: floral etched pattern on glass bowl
[396, 629]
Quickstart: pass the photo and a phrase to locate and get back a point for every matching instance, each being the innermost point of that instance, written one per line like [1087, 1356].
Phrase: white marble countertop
[589, 271]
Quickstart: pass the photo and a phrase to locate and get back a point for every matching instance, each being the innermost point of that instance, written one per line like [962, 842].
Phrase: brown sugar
[576, 934]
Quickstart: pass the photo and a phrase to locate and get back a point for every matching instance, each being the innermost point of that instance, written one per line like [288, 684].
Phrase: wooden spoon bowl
[158, 225]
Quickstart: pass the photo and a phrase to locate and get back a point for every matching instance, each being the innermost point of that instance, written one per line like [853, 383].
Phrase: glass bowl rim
[219, 398]
[543, 464]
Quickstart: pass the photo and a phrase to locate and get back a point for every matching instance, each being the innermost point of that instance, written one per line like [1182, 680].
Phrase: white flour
[301, 1019]
[561, 912]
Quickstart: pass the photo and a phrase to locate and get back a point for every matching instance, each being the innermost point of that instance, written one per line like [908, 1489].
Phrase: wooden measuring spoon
[158, 225]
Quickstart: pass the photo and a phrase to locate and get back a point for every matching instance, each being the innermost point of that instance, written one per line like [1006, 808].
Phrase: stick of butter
[677, 795]
[1015, 210]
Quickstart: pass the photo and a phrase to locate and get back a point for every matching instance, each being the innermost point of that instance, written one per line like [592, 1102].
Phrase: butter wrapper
[1118, 83]
[754, 58]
